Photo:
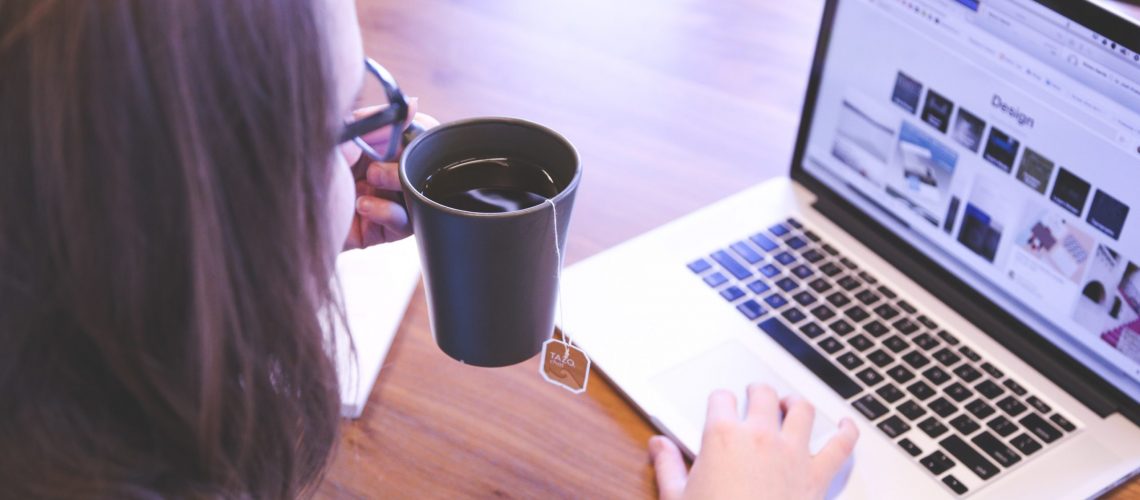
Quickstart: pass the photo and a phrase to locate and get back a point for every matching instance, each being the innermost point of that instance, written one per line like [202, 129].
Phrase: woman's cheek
[342, 202]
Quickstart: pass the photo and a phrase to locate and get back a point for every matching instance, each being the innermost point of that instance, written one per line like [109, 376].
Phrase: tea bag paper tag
[565, 366]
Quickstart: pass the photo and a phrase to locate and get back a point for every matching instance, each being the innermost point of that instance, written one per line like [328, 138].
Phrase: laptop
[953, 260]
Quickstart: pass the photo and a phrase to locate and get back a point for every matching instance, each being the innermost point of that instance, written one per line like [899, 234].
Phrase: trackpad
[729, 366]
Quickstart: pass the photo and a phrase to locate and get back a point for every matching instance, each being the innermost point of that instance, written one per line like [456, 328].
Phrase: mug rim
[519, 122]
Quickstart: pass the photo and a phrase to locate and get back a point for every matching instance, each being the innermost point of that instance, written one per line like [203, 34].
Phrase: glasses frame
[396, 113]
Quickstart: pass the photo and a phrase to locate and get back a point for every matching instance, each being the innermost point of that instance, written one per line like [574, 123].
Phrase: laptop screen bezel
[1073, 375]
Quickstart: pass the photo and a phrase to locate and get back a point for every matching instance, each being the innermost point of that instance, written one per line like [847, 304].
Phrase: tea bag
[563, 364]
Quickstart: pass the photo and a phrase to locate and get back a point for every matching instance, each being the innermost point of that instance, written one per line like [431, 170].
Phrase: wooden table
[655, 94]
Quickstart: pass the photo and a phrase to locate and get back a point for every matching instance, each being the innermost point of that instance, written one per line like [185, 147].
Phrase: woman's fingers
[670, 467]
[763, 406]
[384, 176]
[382, 220]
[799, 415]
[830, 459]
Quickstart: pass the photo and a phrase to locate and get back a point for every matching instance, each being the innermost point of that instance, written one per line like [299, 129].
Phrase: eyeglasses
[395, 114]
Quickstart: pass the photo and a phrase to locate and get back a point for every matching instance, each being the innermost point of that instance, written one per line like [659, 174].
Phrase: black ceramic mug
[491, 278]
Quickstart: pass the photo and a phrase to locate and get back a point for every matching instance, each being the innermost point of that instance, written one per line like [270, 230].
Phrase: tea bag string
[558, 278]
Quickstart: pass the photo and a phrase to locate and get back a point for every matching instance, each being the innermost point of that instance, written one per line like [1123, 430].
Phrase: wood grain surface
[672, 104]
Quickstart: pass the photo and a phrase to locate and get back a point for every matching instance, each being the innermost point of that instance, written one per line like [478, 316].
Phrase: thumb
[671, 472]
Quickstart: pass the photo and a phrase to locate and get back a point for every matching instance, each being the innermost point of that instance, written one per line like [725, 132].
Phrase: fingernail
[655, 445]
[363, 205]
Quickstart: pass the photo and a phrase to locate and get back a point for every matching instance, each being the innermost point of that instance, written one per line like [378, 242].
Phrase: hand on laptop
[741, 458]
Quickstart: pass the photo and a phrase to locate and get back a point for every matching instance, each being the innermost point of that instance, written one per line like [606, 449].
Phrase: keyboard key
[905, 325]
[868, 278]
[751, 309]
[973, 460]
[812, 255]
[942, 407]
[925, 341]
[947, 337]
[795, 242]
[842, 327]
[911, 410]
[1002, 426]
[927, 322]
[911, 448]
[850, 360]
[880, 358]
[856, 313]
[1025, 444]
[1038, 405]
[785, 258]
[937, 463]
[731, 293]
[920, 390]
[758, 287]
[830, 345]
[779, 230]
[830, 250]
[964, 424]
[969, 354]
[957, 392]
[954, 484]
[980, 408]
[860, 342]
[1015, 387]
[811, 236]
[915, 359]
[887, 292]
[746, 252]
[848, 283]
[966, 372]
[847, 263]
[936, 376]
[769, 270]
[809, 357]
[837, 299]
[763, 241]
[804, 298]
[876, 329]
[802, 271]
[1011, 406]
[731, 265]
[904, 305]
[947, 358]
[867, 297]
[869, 376]
[794, 315]
[896, 344]
[992, 370]
[1040, 428]
[886, 312]
[830, 269]
[996, 449]
[870, 407]
[794, 223]
[715, 279]
[820, 285]
[889, 393]
[1062, 422]
[900, 374]
[893, 426]
[822, 312]
[989, 389]
[699, 266]
[787, 284]
[776, 301]
[812, 330]
[932, 427]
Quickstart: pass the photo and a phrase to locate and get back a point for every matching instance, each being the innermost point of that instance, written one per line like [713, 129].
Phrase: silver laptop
[953, 261]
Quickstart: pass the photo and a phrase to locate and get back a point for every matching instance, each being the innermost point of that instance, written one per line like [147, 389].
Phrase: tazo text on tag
[565, 365]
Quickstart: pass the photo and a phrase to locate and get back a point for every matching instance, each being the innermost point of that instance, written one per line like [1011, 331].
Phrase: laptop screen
[1002, 140]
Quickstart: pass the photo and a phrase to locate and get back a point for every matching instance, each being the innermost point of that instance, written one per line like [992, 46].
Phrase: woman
[173, 192]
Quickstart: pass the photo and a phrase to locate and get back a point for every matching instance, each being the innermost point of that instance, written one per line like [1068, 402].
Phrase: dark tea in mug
[490, 185]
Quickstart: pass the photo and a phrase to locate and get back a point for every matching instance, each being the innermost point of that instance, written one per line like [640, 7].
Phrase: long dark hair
[164, 180]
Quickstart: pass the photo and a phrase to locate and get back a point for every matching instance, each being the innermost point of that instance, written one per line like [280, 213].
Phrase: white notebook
[377, 283]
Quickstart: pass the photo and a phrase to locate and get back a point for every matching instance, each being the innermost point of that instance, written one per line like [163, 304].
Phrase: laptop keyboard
[964, 419]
